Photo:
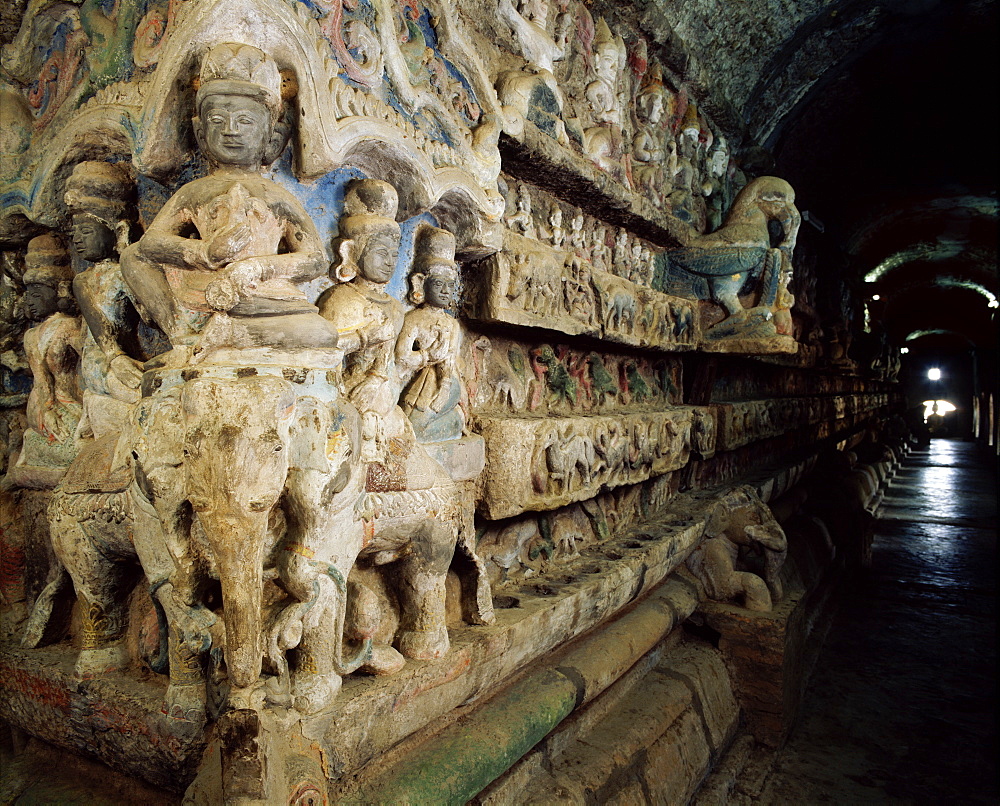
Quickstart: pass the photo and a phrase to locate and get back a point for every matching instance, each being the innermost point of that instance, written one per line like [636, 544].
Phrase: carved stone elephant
[621, 311]
[741, 520]
[270, 477]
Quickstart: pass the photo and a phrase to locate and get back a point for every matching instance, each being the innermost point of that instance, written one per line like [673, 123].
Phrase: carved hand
[246, 273]
[228, 244]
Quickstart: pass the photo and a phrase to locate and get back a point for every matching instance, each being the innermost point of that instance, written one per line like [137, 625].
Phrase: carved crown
[236, 69]
[47, 261]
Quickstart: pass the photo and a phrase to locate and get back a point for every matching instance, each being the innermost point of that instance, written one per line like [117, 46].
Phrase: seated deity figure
[427, 347]
[52, 348]
[99, 199]
[232, 246]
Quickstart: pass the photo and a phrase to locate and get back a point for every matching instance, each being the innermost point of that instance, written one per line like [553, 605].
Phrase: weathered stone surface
[544, 464]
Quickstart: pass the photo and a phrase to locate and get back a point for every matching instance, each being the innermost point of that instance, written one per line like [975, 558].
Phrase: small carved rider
[427, 347]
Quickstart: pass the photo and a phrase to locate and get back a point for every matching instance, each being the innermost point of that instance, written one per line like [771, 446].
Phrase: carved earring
[280, 136]
[122, 231]
[346, 270]
[417, 293]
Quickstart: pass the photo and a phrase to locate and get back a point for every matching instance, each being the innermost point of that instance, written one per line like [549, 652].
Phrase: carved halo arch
[98, 131]
[371, 135]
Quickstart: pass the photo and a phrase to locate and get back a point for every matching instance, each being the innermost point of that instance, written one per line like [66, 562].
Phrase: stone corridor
[901, 708]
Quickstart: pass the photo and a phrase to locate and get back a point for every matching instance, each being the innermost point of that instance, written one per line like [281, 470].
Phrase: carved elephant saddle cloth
[92, 471]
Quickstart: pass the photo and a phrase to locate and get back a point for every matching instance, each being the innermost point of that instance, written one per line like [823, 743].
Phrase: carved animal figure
[716, 266]
[620, 312]
[613, 448]
[498, 380]
[603, 382]
[637, 385]
[561, 386]
[568, 456]
[242, 455]
[741, 520]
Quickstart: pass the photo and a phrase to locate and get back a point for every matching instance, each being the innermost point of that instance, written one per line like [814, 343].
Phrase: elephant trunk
[239, 559]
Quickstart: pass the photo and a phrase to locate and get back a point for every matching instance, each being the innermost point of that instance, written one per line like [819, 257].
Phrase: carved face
[235, 130]
[440, 288]
[720, 161]
[39, 301]
[92, 240]
[606, 63]
[377, 260]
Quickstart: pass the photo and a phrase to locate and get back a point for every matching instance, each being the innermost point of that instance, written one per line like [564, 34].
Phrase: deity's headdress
[104, 191]
[236, 69]
[47, 262]
[369, 209]
[434, 251]
[433, 256]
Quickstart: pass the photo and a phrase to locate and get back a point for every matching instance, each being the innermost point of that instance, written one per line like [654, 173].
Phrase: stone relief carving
[509, 377]
[738, 260]
[428, 344]
[571, 459]
[100, 198]
[538, 286]
[739, 523]
[52, 348]
[295, 475]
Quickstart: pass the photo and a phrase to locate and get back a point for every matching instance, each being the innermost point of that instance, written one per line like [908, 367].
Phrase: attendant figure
[427, 347]
[53, 349]
[100, 199]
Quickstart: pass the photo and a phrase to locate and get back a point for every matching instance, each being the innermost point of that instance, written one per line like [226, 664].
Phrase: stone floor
[901, 708]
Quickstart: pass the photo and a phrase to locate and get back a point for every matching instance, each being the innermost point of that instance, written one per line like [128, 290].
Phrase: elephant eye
[259, 506]
[278, 448]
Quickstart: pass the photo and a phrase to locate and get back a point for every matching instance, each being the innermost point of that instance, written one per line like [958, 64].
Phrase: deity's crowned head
[368, 243]
[238, 105]
[100, 199]
[47, 278]
[651, 100]
[609, 53]
[435, 274]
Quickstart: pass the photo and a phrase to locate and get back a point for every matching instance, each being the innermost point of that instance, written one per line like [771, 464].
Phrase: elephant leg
[319, 585]
[102, 586]
[423, 633]
[161, 540]
[755, 593]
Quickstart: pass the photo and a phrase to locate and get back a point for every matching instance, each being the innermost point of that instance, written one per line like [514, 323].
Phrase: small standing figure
[578, 236]
[52, 348]
[427, 347]
[557, 233]
[522, 222]
[603, 141]
[622, 255]
[648, 143]
[367, 319]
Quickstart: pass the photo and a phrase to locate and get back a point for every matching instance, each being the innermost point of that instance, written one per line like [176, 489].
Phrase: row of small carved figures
[566, 458]
[749, 421]
[563, 377]
[613, 307]
[618, 252]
